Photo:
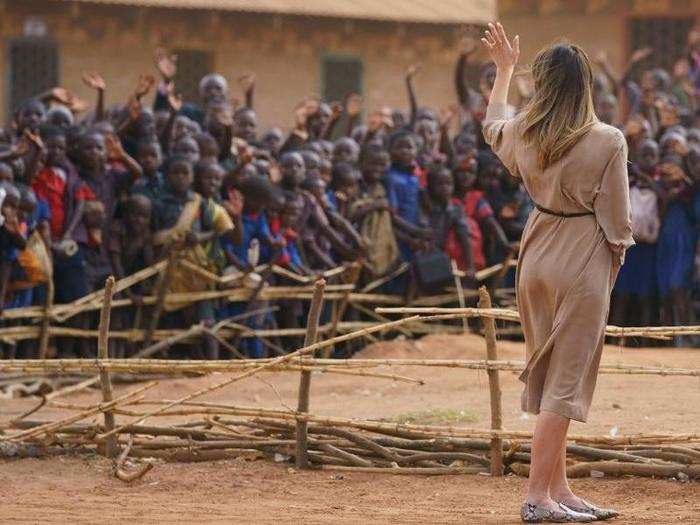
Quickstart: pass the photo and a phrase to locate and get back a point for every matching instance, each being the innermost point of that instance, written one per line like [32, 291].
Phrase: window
[33, 69]
[192, 65]
[666, 36]
[340, 75]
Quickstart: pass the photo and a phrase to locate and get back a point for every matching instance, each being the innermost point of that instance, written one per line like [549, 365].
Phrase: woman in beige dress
[575, 170]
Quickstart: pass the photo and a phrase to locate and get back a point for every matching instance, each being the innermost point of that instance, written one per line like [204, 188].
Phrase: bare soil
[81, 490]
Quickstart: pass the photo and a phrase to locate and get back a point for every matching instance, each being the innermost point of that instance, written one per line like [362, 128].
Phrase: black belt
[564, 215]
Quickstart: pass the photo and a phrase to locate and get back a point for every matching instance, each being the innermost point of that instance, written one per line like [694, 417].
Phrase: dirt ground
[80, 490]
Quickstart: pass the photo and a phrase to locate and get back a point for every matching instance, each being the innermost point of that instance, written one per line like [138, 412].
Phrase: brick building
[295, 47]
[298, 47]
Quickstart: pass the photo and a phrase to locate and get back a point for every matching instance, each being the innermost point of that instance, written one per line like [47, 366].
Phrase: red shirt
[50, 186]
[476, 208]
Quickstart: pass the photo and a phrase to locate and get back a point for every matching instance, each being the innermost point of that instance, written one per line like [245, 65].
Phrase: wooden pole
[494, 384]
[103, 353]
[460, 294]
[302, 457]
[161, 293]
[46, 321]
[352, 277]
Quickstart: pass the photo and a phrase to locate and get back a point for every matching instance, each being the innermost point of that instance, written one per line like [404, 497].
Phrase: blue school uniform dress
[402, 191]
[675, 249]
[638, 275]
[8, 254]
[255, 226]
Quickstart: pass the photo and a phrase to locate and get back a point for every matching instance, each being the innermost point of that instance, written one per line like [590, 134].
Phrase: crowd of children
[114, 191]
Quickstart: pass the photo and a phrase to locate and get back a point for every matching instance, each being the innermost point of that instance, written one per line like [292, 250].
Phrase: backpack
[35, 263]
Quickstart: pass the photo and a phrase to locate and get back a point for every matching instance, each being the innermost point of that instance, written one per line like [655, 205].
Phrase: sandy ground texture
[80, 490]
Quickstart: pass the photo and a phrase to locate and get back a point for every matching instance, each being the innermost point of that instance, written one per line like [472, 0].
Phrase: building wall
[596, 25]
[594, 33]
[284, 52]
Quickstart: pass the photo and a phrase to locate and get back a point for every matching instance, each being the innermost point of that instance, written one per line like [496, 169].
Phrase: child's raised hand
[311, 105]
[62, 95]
[134, 108]
[353, 104]
[94, 81]
[34, 139]
[640, 54]
[300, 116]
[115, 150]
[21, 147]
[175, 101]
[166, 64]
[336, 110]
[144, 85]
[247, 82]
[375, 121]
[413, 70]
[502, 52]
[447, 115]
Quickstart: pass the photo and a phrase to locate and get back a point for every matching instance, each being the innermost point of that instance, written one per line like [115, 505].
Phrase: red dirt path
[77, 490]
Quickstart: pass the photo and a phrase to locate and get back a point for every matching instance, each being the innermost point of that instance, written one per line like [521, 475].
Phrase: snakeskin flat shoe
[588, 508]
[530, 513]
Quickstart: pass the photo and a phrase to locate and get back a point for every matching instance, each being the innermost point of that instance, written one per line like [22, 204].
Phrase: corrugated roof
[426, 11]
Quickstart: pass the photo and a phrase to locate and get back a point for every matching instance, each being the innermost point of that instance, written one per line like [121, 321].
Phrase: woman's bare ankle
[566, 497]
[541, 500]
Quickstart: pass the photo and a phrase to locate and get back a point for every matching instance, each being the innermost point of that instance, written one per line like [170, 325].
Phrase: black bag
[434, 270]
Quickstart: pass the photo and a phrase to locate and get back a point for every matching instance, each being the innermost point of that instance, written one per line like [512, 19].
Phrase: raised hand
[166, 64]
[175, 101]
[134, 108]
[413, 70]
[115, 150]
[311, 105]
[300, 116]
[640, 54]
[62, 95]
[247, 82]
[353, 104]
[94, 81]
[144, 85]
[336, 110]
[21, 147]
[502, 52]
[34, 139]
[375, 121]
[447, 115]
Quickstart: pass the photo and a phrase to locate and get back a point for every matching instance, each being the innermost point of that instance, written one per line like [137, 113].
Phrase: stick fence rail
[224, 431]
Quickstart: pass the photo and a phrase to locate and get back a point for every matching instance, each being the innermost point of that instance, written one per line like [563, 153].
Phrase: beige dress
[567, 265]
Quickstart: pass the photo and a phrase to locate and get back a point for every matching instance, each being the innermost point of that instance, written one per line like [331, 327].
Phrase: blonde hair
[561, 109]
